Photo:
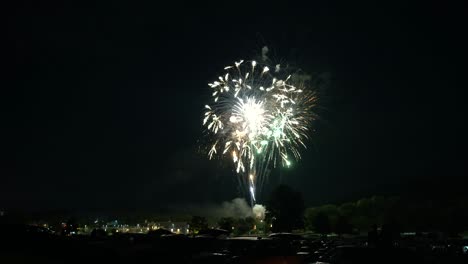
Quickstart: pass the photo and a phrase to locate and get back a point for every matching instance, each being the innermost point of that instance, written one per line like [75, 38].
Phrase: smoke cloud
[264, 53]
[237, 208]
[259, 211]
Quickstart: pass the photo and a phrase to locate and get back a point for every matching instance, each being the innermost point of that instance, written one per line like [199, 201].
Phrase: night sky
[103, 102]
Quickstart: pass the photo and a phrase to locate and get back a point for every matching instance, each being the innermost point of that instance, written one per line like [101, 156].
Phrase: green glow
[277, 133]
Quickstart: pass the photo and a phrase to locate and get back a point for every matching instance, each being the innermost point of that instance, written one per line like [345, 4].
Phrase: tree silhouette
[244, 225]
[322, 223]
[286, 208]
[226, 223]
[198, 223]
[343, 226]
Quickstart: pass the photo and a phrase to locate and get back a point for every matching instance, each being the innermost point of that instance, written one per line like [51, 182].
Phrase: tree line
[286, 212]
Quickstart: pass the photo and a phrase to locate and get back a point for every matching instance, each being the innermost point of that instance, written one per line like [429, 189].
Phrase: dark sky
[103, 103]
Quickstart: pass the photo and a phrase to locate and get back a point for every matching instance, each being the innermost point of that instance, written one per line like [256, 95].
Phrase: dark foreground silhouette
[29, 244]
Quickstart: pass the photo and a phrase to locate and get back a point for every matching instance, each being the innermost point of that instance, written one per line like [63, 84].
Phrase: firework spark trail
[258, 116]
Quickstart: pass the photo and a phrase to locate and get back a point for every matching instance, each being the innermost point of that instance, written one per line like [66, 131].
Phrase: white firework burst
[258, 117]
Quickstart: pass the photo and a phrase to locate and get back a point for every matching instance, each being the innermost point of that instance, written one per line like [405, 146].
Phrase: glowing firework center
[257, 117]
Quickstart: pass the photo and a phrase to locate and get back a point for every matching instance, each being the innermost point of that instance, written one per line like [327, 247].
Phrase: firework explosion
[258, 117]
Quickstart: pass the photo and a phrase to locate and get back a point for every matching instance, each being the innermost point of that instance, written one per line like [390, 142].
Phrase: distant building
[175, 227]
